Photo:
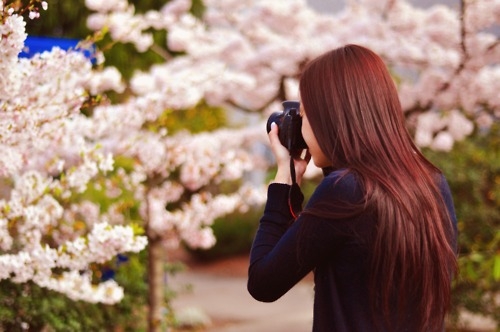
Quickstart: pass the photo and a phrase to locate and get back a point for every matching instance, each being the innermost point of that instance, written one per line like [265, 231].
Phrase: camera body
[289, 124]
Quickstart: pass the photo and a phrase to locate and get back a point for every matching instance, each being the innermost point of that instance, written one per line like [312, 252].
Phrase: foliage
[199, 118]
[234, 234]
[30, 307]
[473, 172]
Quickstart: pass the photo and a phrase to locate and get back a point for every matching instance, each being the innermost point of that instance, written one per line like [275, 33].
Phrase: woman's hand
[282, 157]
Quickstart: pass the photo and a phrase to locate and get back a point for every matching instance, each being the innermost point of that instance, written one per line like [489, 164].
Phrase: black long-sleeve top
[285, 251]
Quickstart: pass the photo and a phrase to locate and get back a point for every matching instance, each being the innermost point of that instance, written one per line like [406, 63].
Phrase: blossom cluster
[191, 223]
[445, 58]
[199, 160]
[44, 163]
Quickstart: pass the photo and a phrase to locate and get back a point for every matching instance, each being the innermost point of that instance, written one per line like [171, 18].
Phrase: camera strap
[295, 196]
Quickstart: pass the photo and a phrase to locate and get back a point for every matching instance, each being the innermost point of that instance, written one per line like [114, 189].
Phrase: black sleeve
[283, 251]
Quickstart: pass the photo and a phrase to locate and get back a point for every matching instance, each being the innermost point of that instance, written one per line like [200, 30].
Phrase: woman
[379, 231]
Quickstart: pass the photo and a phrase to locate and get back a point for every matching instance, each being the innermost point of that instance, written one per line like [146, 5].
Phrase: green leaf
[496, 267]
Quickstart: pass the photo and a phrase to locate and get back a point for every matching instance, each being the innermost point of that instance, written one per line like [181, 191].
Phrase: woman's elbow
[261, 293]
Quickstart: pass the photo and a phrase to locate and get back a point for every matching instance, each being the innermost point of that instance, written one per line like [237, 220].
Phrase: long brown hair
[352, 104]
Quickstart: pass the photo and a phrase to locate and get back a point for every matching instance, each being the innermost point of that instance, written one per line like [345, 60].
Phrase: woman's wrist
[283, 176]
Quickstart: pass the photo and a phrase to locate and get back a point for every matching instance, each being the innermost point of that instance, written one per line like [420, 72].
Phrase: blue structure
[34, 45]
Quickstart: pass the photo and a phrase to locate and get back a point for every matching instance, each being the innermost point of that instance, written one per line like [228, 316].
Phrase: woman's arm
[285, 251]
[274, 268]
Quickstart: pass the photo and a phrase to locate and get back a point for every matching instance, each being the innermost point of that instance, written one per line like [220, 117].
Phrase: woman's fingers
[280, 152]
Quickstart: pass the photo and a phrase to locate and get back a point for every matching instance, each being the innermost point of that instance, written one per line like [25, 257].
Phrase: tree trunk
[155, 284]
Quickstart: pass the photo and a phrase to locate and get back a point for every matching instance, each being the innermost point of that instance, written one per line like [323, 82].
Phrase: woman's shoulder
[341, 185]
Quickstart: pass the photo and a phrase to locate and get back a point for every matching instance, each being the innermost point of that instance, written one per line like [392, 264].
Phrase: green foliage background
[30, 307]
[473, 172]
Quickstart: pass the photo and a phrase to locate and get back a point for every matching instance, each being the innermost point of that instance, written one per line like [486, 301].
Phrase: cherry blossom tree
[44, 162]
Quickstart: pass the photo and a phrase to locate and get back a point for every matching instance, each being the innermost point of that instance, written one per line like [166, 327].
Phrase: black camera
[289, 124]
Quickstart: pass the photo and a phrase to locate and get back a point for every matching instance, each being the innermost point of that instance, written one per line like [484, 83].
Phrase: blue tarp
[34, 45]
